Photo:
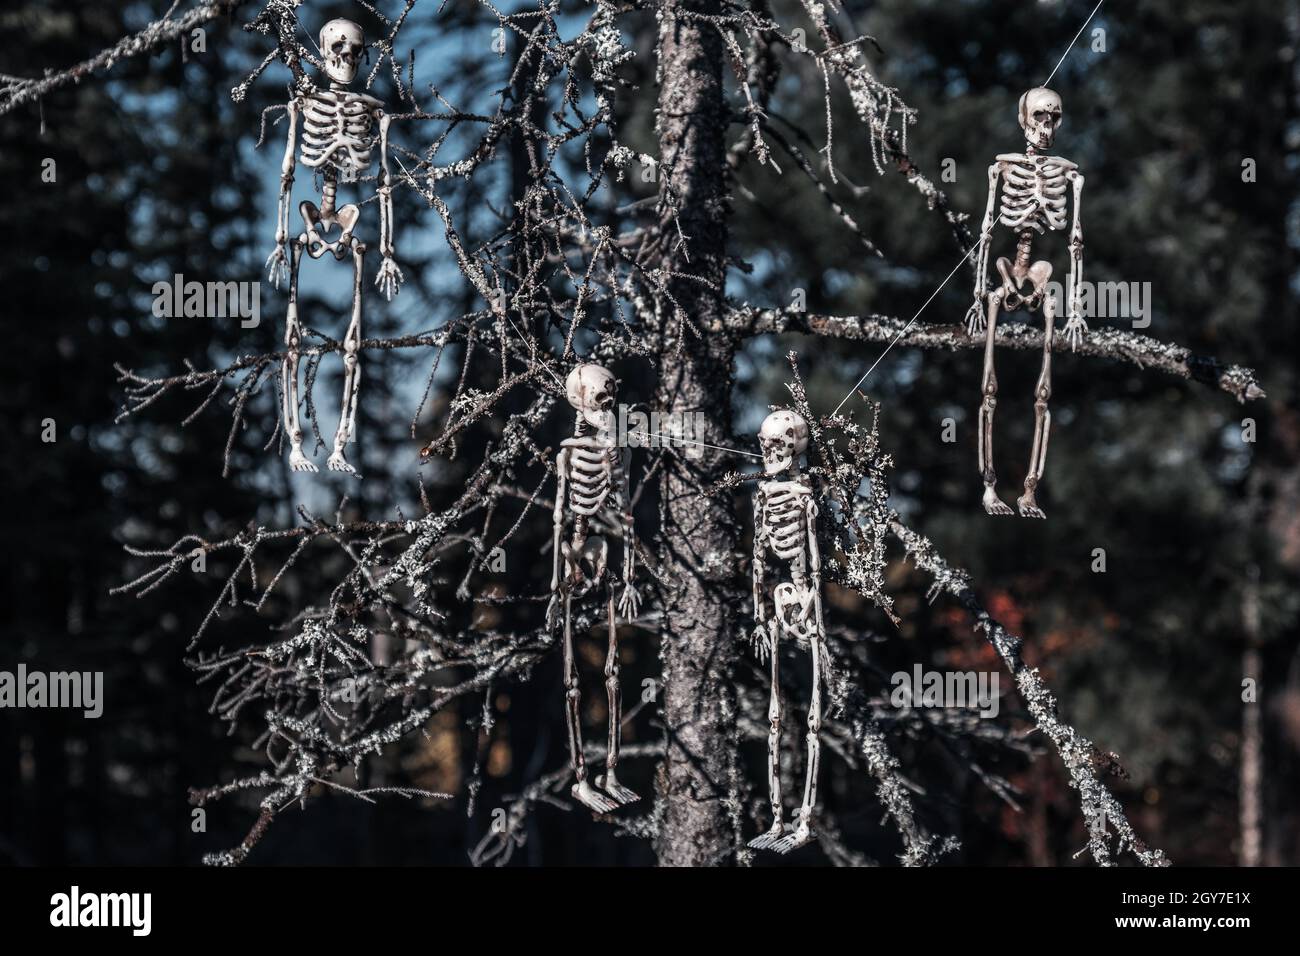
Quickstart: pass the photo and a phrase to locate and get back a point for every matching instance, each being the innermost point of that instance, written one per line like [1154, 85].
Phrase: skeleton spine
[1024, 246]
[328, 191]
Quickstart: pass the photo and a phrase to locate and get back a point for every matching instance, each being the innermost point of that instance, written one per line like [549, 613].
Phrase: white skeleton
[339, 133]
[785, 514]
[1034, 188]
[592, 485]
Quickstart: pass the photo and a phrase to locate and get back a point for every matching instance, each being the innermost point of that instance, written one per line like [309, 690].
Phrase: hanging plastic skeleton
[592, 487]
[339, 134]
[1034, 187]
[785, 533]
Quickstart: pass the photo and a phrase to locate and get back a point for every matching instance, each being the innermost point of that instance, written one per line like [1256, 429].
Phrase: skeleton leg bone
[609, 780]
[803, 818]
[1027, 503]
[992, 503]
[582, 790]
[766, 840]
[289, 368]
[346, 431]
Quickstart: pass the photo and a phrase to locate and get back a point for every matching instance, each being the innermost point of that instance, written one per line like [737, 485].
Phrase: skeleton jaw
[1040, 138]
[776, 463]
[341, 69]
[601, 419]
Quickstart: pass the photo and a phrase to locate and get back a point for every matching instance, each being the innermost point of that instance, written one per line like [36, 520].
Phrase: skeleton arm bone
[760, 568]
[759, 638]
[389, 278]
[814, 556]
[975, 317]
[1075, 326]
[276, 262]
[561, 493]
[629, 603]
[815, 567]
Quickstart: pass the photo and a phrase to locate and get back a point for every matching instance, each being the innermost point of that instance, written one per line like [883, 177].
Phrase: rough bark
[697, 547]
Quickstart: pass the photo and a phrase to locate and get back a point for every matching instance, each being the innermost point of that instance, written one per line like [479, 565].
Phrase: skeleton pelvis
[794, 610]
[586, 564]
[319, 225]
[1014, 277]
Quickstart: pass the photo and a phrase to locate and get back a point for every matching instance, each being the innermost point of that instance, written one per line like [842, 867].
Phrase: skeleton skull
[783, 437]
[342, 43]
[1040, 115]
[590, 390]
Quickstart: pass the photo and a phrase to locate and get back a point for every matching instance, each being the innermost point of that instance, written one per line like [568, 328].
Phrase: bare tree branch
[17, 90]
[1116, 344]
[1101, 810]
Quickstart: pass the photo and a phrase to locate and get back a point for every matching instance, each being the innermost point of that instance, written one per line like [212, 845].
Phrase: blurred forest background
[157, 174]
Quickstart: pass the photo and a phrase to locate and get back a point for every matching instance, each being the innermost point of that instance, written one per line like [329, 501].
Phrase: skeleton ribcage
[1033, 196]
[590, 471]
[785, 519]
[338, 130]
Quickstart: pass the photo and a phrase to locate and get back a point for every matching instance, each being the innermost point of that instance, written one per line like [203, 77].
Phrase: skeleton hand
[553, 612]
[277, 268]
[630, 602]
[389, 278]
[1074, 329]
[975, 316]
[759, 639]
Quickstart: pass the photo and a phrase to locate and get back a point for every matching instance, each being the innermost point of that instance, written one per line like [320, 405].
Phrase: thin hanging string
[1073, 42]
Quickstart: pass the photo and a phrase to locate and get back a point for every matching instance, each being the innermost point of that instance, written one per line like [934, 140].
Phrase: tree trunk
[696, 552]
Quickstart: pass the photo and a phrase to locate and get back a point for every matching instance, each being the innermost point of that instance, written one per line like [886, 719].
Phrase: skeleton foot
[609, 783]
[769, 839]
[298, 461]
[993, 504]
[337, 462]
[802, 834]
[589, 796]
[1028, 506]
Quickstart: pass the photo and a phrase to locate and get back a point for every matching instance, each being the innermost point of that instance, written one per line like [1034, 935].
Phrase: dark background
[157, 174]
